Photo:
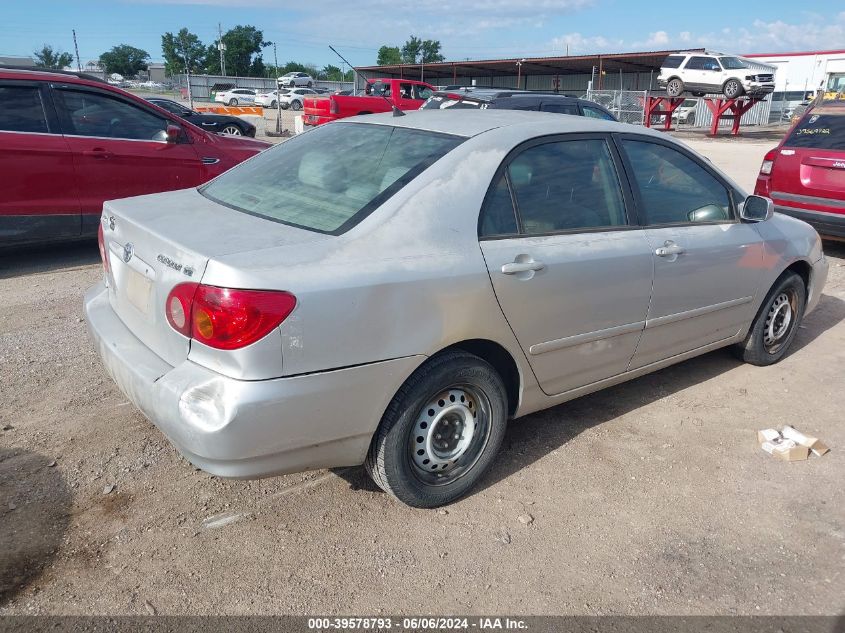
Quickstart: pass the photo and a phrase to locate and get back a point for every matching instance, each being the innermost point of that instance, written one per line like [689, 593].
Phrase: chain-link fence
[626, 105]
[202, 86]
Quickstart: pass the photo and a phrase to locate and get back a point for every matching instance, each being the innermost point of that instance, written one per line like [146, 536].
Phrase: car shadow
[34, 516]
[18, 260]
[532, 437]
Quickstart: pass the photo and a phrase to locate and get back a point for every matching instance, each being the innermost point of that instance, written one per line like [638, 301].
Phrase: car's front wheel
[776, 324]
[732, 89]
[441, 431]
[233, 102]
[675, 87]
[232, 130]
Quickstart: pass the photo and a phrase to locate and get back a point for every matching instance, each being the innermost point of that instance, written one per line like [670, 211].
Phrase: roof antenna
[393, 106]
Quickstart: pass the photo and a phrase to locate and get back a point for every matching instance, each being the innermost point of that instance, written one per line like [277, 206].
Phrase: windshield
[732, 63]
[819, 131]
[330, 178]
[443, 102]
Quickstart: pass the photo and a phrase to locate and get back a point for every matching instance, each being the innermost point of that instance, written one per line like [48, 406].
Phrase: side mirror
[172, 133]
[757, 209]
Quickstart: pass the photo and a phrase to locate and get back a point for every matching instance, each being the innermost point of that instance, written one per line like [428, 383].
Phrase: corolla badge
[128, 251]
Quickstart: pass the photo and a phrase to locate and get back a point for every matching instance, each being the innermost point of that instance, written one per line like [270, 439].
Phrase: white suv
[296, 79]
[704, 73]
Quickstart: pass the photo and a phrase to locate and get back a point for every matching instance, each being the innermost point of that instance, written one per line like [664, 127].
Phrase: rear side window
[331, 178]
[819, 131]
[596, 113]
[559, 108]
[567, 185]
[96, 114]
[673, 61]
[21, 110]
[438, 102]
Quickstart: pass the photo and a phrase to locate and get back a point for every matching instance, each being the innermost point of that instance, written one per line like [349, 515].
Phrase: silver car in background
[391, 290]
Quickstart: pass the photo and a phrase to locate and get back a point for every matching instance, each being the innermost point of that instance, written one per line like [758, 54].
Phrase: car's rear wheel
[296, 105]
[776, 324]
[232, 130]
[310, 84]
[441, 431]
[691, 118]
[274, 105]
[732, 89]
[675, 87]
[233, 102]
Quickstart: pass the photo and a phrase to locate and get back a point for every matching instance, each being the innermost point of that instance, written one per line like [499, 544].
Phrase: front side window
[329, 179]
[819, 131]
[22, 110]
[596, 113]
[567, 185]
[674, 188]
[732, 63]
[96, 114]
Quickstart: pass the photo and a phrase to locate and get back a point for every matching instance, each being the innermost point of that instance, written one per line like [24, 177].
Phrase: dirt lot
[648, 498]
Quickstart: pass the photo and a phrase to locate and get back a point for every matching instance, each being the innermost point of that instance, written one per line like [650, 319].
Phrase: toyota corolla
[392, 290]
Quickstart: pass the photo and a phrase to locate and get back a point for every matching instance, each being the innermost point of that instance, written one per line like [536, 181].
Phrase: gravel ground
[648, 498]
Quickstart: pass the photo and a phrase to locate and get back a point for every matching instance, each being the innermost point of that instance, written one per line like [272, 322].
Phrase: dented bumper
[247, 429]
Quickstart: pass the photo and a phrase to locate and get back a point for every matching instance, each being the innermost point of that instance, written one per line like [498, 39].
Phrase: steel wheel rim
[231, 130]
[779, 321]
[437, 457]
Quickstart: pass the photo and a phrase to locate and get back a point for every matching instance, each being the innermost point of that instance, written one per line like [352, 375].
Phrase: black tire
[675, 87]
[733, 89]
[274, 105]
[759, 347]
[309, 84]
[697, 94]
[296, 105]
[285, 106]
[394, 459]
[233, 102]
[691, 118]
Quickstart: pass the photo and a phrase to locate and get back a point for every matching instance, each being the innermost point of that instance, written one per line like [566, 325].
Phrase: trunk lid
[158, 241]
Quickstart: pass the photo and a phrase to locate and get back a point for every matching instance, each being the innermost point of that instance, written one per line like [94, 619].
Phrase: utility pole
[278, 105]
[76, 48]
[222, 48]
[188, 74]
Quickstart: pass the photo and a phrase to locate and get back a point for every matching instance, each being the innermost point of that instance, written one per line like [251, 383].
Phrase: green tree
[48, 57]
[177, 48]
[331, 73]
[124, 60]
[243, 48]
[430, 52]
[411, 50]
[389, 56]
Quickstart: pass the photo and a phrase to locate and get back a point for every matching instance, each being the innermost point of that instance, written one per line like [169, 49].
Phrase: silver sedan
[391, 290]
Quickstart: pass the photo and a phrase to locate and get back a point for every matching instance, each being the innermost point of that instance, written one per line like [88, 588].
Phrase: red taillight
[101, 242]
[453, 96]
[768, 163]
[226, 318]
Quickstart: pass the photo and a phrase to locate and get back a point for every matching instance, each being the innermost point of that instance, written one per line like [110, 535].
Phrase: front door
[120, 149]
[572, 276]
[707, 264]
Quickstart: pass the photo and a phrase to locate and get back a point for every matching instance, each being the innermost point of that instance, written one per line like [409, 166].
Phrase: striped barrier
[236, 110]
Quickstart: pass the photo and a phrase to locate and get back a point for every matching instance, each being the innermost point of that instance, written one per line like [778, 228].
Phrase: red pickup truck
[379, 96]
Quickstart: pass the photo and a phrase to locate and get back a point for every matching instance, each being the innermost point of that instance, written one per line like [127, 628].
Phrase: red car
[69, 142]
[805, 174]
[380, 96]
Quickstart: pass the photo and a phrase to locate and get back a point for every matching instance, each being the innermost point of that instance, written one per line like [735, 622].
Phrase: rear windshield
[819, 131]
[330, 178]
[673, 61]
[442, 102]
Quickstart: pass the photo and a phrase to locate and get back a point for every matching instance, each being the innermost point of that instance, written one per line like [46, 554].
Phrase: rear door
[572, 275]
[707, 264]
[39, 198]
[809, 170]
[120, 148]
[407, 97]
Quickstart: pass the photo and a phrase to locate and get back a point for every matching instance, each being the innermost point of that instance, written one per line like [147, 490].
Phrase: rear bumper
[315, 119]
[247, 429]
[826, 223]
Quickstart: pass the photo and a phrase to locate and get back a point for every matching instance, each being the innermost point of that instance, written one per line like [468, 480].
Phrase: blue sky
[474, 29]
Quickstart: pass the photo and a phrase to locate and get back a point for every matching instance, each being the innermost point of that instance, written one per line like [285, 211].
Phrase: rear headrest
[520, 173]
[319, 170]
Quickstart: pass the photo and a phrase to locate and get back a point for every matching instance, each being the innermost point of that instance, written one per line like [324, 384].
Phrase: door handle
[669, 249]
[522, 267]
[97, 152]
